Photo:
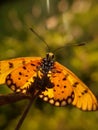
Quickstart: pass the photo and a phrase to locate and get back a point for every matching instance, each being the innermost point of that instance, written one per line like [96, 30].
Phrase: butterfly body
[57, 84]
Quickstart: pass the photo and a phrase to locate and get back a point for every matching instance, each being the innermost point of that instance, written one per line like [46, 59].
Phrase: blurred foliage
[59, 22]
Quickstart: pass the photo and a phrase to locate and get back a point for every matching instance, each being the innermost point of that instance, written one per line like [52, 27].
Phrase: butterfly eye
[52, 56]
[47, 56]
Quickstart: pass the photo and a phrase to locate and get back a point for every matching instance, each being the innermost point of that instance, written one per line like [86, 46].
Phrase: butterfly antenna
[40, 38]
[72, 44]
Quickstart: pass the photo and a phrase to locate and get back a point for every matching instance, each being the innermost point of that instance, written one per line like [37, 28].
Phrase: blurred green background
[59, 22]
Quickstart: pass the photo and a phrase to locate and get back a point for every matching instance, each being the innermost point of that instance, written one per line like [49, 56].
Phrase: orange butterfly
[58, 85]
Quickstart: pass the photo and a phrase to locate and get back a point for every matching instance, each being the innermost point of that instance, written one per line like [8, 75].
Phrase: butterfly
[57, 84]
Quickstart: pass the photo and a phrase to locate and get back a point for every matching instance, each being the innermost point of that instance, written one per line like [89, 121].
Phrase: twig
[26, 111]
[23, 116]
[11, 98]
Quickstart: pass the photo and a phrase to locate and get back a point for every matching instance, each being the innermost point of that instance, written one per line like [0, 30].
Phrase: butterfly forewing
[21, 78]
[8, 66]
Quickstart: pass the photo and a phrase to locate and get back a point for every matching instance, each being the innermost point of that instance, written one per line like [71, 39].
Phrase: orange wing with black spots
[68, 88]
[22, 77]
[7, 66]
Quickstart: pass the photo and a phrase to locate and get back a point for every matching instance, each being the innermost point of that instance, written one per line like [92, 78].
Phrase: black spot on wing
[26, 75]
[54, 90]
[75, 84]
[10, 65]
[62, 91]
[64, 86]
[23, 62]
[32, 64]
[58, 71]
[24, 67]
[65, 77]
[84, 92]
[20, 73]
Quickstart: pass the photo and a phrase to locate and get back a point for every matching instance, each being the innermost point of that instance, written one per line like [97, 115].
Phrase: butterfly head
[50, 56]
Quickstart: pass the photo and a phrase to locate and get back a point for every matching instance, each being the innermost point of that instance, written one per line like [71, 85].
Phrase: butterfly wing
[21, 78]
[75, 92]
[62, 93]
[84, 98]
[7, 66]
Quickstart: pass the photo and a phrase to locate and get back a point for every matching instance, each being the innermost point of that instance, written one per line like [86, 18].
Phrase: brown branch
[14, 97]
[36, 93]
[11, 98]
